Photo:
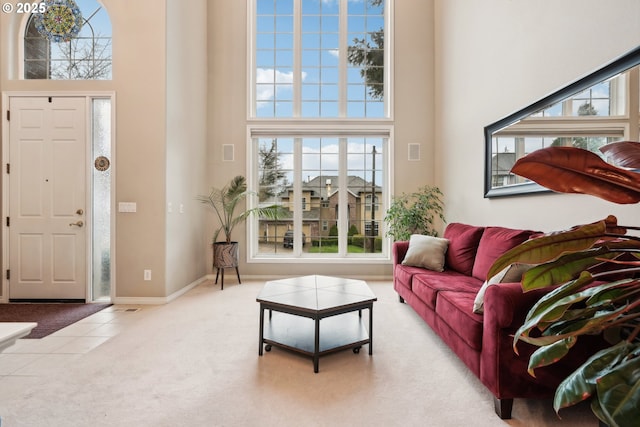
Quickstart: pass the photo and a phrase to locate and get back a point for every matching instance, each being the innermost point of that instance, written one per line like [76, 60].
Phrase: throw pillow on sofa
[510, 274]
[426, 252]
[494, 242]
[463, 245]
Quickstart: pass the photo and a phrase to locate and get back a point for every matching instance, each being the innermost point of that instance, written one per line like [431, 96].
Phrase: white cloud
[269, 75]
[264, 76]
[356, 161]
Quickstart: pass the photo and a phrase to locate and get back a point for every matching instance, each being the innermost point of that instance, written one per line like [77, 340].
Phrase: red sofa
[445, 299]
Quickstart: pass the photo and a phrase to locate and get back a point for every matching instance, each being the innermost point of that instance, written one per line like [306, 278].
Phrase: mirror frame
[613, 68]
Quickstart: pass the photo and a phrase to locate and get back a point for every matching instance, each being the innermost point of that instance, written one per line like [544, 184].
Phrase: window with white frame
[85, 56]
[319, 120]
[330, 190]
[319, 59]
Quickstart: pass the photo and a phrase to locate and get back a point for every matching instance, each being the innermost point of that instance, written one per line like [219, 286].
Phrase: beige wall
[139, 79]
[186, 141]
[496, 56]
[413, 95]
[160, 137]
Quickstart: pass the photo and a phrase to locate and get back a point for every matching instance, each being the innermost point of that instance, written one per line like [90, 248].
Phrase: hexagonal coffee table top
[316, 293]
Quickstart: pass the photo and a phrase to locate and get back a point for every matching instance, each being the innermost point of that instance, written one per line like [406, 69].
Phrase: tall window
[319, 58]
[319, 126]
[86, 56]
[102, 177]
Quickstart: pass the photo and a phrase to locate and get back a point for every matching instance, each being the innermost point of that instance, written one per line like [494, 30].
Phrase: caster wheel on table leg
[356, 350]
[267, 347]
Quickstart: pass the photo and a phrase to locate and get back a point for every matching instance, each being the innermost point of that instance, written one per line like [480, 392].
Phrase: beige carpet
[195, 362]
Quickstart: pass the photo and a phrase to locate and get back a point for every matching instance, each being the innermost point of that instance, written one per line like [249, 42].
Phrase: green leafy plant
[594, 270]
[414, 213]
[224, 202]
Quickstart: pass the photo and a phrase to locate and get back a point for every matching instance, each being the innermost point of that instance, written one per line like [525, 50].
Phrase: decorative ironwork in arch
[87, 55]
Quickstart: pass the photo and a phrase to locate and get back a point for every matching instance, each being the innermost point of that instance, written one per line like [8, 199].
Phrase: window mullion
[343, 55]
[343, 199]
[297, 58]
[297, 193]
[387, 58]
[252, 55]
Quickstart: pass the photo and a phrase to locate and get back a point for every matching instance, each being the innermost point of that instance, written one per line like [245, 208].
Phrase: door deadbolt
[77, 224]
[79, 211]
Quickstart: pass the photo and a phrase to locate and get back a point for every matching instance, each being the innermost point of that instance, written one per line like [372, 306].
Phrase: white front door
[47, 202]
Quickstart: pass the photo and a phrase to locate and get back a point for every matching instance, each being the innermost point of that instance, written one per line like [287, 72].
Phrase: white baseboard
[263, 277]
[158, 300]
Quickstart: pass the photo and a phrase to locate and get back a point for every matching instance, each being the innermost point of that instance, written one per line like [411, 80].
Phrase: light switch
[130, 207]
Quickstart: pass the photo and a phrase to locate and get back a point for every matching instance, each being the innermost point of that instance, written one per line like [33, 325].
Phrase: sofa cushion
[403, 274]
[510, 274]
[427, 285]
[426, 251]
[454, 308]
[463, 245]
[494, 242]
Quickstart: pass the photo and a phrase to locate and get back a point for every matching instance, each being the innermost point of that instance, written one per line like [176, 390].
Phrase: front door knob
[77, 224]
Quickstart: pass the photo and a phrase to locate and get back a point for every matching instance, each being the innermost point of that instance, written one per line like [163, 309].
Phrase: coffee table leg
[316, 353]
[261, 334]
[370, 329]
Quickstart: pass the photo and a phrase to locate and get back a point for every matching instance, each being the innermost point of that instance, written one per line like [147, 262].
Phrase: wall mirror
[592, 111]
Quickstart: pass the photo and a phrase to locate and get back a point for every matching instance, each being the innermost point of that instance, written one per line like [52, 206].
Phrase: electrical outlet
[147, 275]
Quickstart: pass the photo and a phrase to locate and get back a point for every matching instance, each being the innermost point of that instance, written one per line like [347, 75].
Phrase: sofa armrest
[506, 306]
[502, 371]
[399, 251]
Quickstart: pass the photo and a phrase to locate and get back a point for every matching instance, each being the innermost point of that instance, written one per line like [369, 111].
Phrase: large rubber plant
[594, 273]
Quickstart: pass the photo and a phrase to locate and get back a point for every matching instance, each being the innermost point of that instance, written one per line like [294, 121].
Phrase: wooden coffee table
[315, 315]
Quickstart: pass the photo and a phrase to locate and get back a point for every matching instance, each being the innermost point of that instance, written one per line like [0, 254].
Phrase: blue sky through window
[320, 59]
[305, 67]
[97, 16]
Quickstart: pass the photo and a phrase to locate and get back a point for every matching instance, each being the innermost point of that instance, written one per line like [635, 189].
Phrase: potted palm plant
[594, 270]
[224, 202]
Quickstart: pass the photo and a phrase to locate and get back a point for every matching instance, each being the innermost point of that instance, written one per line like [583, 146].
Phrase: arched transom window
[87, 56]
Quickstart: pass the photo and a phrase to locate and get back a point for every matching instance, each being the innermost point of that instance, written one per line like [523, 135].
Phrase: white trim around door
[89, 98]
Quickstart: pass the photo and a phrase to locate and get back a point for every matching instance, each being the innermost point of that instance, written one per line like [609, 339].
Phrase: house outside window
[320, 127]
[334, 216]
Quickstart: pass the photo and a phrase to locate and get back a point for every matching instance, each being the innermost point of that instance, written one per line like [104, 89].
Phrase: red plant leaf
[625, 154]
[574, 170]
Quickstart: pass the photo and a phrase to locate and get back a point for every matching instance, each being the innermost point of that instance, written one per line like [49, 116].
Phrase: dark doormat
[50, 317]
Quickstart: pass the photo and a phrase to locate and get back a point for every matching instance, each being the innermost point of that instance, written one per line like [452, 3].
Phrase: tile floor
[36, 357]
